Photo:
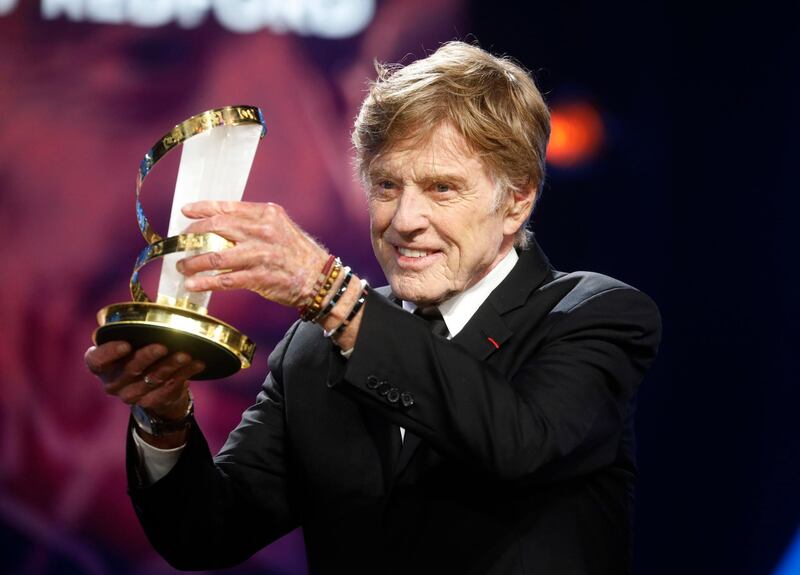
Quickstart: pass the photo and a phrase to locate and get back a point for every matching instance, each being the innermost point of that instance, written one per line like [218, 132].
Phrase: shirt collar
[458, 310]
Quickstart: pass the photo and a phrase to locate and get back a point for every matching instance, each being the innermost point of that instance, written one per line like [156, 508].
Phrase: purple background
[688, 192]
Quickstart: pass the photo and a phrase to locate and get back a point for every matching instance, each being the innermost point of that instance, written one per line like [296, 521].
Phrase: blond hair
[491, 101]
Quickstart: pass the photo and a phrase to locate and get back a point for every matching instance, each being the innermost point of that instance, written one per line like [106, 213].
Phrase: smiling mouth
[415, 260]
[409, 253]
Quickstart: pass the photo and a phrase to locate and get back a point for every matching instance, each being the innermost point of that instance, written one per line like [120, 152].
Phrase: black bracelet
[336, 296]
[356, 307]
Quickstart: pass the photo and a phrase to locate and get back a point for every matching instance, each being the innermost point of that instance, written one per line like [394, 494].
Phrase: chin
[418, 296]
[405, 292]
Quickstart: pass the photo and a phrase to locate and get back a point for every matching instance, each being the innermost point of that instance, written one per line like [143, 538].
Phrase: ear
[518, 208]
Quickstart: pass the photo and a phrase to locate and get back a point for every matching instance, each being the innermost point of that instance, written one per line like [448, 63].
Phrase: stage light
[576, 135]
[790, 564]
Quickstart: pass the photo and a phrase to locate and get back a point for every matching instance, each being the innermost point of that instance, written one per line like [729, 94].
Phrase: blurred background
[672, 166]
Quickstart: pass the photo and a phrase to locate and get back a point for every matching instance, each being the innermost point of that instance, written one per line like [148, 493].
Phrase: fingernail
[179, 266]
[123, 348]
[182, 358]
[160, 352]
[190, 283]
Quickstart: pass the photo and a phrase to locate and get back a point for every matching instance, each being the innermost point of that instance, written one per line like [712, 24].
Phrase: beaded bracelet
[320, 281]
[353, 311]
[326, 269]
[335, 299]
[311, 309]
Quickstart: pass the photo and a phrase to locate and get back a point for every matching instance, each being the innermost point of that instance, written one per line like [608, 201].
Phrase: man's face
[435, 229]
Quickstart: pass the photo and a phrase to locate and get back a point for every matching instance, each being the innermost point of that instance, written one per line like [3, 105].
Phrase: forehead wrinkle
[444, 156]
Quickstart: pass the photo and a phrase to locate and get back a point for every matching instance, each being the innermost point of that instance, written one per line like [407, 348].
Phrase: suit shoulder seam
[598, 294]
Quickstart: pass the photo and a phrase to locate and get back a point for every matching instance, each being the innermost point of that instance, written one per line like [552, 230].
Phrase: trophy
[218, 147]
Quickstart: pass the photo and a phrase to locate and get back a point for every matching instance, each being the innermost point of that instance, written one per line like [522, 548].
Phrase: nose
[412, 213]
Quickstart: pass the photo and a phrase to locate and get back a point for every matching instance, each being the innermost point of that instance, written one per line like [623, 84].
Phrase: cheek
[467, 231]
[380, 215]
[478, 240]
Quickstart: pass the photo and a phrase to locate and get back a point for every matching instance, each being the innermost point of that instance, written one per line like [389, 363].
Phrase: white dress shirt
[460, 308]
[456, 312]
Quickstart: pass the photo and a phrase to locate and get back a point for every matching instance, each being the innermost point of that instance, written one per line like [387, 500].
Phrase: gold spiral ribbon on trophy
[180, 325]
[227, 116]
[180, 243]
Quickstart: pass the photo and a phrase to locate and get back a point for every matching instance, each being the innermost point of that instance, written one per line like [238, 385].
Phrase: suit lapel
[484, 333]
[531, 270]
[487, 330]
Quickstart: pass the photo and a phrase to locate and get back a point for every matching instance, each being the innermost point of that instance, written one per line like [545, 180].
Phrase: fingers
[285, 279]
[142, 360]
[267, 222]
[148, 376]
[149, 366]
[278, 285]
[243, 279]
[231, 258]
[225, 226]
[166, 369]
[272, 256]
[165, 385]
[208, 208]
[100, 359]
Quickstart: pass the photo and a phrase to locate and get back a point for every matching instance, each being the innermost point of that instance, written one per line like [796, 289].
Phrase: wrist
[169, 441]
[337, 291]
[176, 410]
[343, 323]
[153, 425]
[339, 312]
[329, 275]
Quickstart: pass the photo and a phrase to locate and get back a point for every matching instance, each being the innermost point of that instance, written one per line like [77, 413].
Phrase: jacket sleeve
[568, 397]
[212, 513]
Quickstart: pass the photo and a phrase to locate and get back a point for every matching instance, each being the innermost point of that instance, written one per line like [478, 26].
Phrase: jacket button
[372, 382]
[393, 396]
[406, 399]
[383, 387]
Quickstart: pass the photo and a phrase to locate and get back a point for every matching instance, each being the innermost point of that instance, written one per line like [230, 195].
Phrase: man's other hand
[149, 377]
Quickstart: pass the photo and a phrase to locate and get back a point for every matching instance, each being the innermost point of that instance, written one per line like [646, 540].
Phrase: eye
[442, 187]
[383, 189]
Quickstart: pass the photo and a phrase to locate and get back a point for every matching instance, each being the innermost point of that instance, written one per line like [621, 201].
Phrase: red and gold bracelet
[319, 283]
[327, 278]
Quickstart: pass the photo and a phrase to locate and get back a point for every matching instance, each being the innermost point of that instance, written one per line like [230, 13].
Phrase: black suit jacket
[518, 455]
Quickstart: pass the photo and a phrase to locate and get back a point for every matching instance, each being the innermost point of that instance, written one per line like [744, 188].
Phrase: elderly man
[489, 431]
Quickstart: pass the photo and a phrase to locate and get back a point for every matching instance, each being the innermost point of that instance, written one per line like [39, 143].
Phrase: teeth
[411, 253]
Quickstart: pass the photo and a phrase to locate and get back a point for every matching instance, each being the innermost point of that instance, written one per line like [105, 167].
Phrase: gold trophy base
[220, 346]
